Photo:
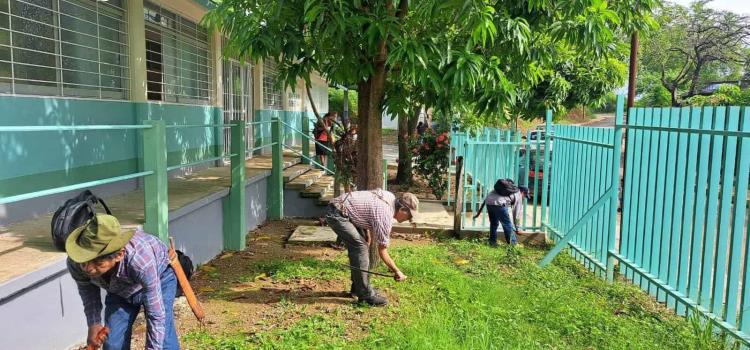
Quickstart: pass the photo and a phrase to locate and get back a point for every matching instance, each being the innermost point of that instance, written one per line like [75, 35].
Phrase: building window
[271, 96]
[294, 101]
[178, 64]
[238, 94]
[64, 48]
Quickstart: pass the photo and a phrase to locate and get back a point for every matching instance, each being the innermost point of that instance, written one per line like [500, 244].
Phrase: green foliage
[466, 295]
[694, 47]
[336, 102]
[432, 159]
[655, 96]
[725, 95]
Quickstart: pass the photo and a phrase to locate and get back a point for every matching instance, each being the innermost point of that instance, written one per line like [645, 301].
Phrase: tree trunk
[403, 175]
[363, 109]
[675, 102]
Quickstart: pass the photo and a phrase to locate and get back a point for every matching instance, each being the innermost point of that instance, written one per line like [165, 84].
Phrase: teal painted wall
[31, 161]
[262, 132]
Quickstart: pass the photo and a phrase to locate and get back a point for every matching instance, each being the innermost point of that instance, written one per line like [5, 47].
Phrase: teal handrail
[307, 136]
[180, 126]
[262, 147]
[309, 159]
[51, 191]
[24, 128]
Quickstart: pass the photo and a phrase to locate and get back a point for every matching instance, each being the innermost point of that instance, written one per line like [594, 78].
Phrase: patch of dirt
[419, 186]
[237, 297]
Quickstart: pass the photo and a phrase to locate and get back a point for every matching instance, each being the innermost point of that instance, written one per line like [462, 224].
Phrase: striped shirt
[146, 257]
[369, 210]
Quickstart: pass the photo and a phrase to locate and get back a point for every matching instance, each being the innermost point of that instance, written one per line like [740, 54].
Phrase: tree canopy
[694, 47]
[488, 59]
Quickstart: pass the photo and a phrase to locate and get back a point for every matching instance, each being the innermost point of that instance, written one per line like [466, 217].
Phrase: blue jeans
[120, 313]
[499, 215]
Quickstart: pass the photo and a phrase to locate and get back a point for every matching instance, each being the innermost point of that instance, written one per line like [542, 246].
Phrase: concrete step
[304, 180]
[294, 172]
[317, 189]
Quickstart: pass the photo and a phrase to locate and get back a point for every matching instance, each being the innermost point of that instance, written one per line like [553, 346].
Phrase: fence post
[614, 200]
[385, 175]
[276, 181]
[546, 165]
[156, 205]
[305, 141]
[234, 234]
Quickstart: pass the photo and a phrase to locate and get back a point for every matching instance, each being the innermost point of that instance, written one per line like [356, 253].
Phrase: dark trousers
[499, 216]
[357, 248]
[120, 313]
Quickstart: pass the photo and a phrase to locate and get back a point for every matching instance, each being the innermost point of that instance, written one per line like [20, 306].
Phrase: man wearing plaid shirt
[372, 211]
[133, 267]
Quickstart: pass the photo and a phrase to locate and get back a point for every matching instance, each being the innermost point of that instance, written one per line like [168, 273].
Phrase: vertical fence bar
[234, 237]
[683, 203]
[385, 175]
[643, 149]
[709, 245]
[650, 143]
[616, 161]
[626, 238]
[547, 165]
[727, 187]
[658, 231]
[738, 231]
[155, 185]
[700, 208]
[276, 181]
[673, 198]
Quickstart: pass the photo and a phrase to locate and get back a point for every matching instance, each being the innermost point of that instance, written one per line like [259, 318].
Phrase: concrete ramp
[312, 235]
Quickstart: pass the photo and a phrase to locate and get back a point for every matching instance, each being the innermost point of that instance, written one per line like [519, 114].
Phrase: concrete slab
[312, 235]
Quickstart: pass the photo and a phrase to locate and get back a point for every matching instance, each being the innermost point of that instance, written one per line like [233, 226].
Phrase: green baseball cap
[97, 237]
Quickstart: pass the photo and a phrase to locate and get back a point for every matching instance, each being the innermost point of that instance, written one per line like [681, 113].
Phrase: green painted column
[275, 186]
[305, 141]
[156, 205]
[234, 210]
[385, 175]
[614, 200]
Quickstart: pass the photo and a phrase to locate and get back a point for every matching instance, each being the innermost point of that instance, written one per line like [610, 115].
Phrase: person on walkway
[371, 211]
[421, 128]
[500, 201]
[324, 139]
[133, 267]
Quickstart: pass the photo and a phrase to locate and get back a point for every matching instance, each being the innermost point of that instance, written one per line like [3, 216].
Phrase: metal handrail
[207, 160]
[248, 124]
[307, 136]
[179, 126]
[78, 186]
[261, 147]
[310, 159]
[71, 127]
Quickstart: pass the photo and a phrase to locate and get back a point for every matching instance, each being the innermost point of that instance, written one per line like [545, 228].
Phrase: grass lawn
[459, 295]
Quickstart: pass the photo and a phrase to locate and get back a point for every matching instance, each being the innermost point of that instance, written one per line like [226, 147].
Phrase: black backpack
[505, 187]
[73, 214]
[187, 267]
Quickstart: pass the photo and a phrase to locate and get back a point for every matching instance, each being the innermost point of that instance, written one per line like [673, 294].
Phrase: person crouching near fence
[371, 211]
[133, 267]
[505, 199]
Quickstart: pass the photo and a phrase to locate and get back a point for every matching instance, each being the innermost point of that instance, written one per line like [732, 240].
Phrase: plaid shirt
[146, 257]
[369, 210]
[516, 202]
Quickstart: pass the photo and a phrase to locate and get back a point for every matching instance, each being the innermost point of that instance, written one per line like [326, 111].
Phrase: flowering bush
[432, 160]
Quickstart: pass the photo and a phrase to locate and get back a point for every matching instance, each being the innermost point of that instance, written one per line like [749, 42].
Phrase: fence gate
[584, 191]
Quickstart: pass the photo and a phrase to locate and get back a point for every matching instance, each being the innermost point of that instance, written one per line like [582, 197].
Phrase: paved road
[604, 122]
[390, 153]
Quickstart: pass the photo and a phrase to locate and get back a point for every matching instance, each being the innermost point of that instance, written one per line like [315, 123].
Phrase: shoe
[493, 244]
[375, 300]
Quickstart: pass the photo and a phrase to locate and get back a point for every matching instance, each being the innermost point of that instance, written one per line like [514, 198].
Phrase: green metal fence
[684, 215]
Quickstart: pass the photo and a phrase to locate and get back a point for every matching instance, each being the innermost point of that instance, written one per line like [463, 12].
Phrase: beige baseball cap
[411, 202]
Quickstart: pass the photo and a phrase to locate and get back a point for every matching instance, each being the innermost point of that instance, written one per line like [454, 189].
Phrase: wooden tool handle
[101, 337]
[195, 306]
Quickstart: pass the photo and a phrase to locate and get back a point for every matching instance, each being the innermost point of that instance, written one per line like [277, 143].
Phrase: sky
[738, 6]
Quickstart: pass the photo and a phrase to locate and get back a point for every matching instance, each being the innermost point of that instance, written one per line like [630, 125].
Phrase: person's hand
[399, 276]
[94, 339]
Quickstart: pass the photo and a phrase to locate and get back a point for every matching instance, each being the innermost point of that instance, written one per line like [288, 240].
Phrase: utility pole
[632, 78]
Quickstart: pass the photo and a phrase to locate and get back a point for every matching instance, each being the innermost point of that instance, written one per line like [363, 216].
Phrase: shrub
[432, 159]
